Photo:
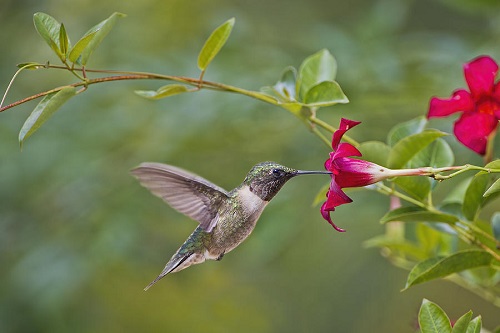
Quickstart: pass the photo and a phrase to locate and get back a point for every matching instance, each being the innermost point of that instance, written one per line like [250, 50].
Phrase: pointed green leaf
[406, 148]
[495, 225]
[432, 319]
[165, 91]
[315, 69]
[325, 93]
[473, 199]
[83, 49]
[49, 29]
[440, 267]
[417, 214]
[493, 188]
[462, 323]
[80, 46]
[64, 41]
[46, 108]
[214, 44]
[405, 129]
[375, 151]
[475, 325]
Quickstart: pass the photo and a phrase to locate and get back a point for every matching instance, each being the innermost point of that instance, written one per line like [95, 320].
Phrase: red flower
[480, 107]
[351, 172]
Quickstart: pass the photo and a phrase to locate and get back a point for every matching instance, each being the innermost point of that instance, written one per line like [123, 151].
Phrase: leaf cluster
[433, 319]
[73, 57]
[449, 238]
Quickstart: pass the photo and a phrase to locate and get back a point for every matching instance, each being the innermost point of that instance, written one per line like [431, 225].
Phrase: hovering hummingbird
[225, 218]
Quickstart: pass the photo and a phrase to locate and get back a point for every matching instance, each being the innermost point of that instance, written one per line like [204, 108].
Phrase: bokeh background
[79, 238]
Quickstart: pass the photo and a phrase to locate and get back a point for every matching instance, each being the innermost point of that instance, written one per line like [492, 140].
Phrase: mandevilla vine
[412, 150]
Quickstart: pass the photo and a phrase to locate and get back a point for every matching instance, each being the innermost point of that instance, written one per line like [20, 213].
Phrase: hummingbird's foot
[220, 256]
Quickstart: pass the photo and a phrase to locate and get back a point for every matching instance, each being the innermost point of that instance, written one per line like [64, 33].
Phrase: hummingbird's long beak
[313, 172]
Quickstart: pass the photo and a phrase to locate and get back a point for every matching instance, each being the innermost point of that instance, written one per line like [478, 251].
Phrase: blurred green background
[79, 238]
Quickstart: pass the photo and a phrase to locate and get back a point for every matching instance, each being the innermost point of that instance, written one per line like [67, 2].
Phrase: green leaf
[493, 188]
[84, 48]
[417, 214]
[473, 199]
[462, 323]
[284, 90]
[286, 85]
[417, 187]
[49, 29]
[214, 44]
[406, 148]
[440, 267]
[437, 155]
[325, 93]
[64, 41]
[432, 319]
[405, 129]
[475, 325]
[493, 165]
[457, 193]
[80, 46]
[162, 92]
[495, 225]
[46, 108]
[375, 151]
[315, 69]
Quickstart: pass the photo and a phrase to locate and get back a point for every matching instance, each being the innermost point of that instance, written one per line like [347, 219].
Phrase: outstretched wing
[190, 194]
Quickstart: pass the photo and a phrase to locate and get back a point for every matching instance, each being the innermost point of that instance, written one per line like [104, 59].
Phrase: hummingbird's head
[267, 178]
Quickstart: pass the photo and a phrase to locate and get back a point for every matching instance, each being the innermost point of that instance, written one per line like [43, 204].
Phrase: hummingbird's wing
[190, 194]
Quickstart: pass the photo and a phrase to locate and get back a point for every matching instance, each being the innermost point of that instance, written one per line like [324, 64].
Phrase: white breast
[252, 202]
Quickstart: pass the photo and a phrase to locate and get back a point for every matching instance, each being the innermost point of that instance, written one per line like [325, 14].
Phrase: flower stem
[382, 188]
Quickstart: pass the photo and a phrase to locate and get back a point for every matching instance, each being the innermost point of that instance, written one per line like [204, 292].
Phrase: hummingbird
[225, 218]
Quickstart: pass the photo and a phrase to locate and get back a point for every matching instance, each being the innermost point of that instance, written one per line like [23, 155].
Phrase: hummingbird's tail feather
[178, 263]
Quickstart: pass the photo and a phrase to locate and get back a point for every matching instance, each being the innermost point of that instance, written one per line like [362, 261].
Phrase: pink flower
[351, 172]
[480, 107]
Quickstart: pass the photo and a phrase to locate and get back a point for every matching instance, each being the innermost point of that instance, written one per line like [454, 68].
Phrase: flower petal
[335, 196]
[345, 125]
[326, 216]
[473, 128]
[461, 100]
[480, 75]
[345, 150]
[496, 97]
[356, 173]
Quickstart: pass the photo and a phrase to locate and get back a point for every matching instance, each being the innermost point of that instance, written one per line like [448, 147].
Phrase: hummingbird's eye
[278, 173]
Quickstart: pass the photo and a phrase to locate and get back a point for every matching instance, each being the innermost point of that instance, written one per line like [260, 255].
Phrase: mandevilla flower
[351, 172]
[480, 107]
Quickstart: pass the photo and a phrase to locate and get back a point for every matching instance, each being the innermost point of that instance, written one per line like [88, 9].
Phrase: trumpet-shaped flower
[350, 172]
[480, 107]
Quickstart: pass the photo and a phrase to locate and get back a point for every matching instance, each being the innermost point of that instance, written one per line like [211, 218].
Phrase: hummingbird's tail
[179, 261]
